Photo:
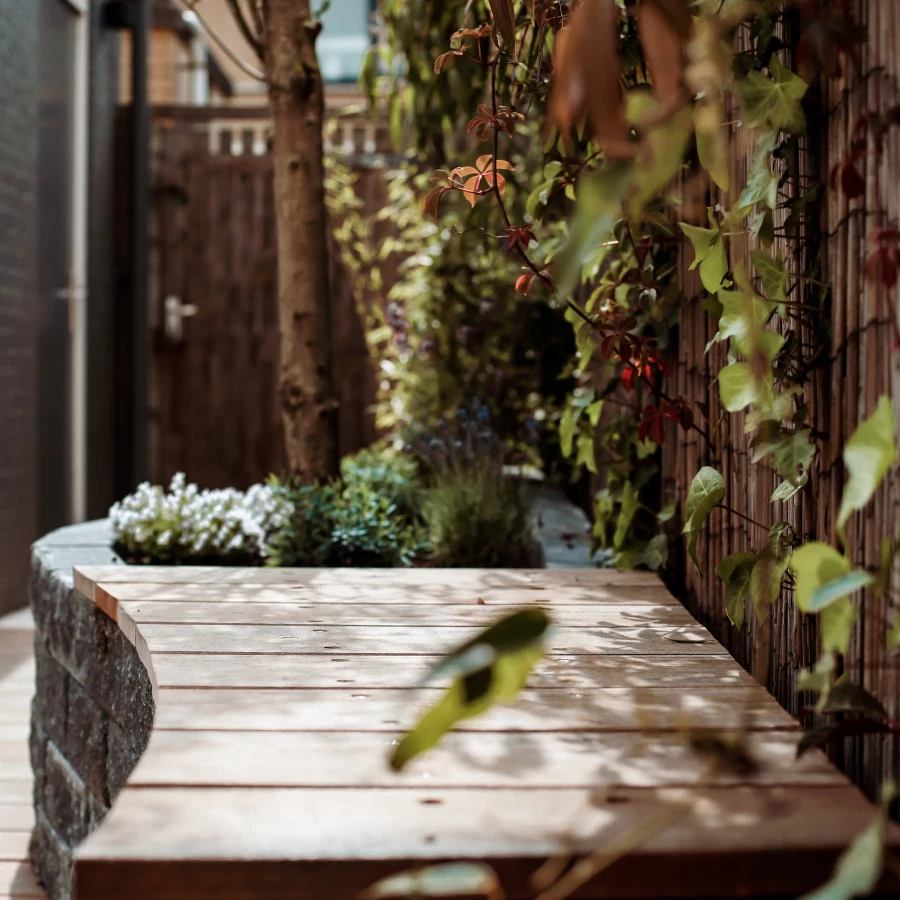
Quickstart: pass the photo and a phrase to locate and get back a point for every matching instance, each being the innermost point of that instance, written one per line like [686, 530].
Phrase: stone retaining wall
[93, 708]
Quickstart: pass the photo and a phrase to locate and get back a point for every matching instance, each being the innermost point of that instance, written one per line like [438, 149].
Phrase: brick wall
[18, 162]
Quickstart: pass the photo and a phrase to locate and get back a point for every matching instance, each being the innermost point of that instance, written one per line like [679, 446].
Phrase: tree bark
[296, 95]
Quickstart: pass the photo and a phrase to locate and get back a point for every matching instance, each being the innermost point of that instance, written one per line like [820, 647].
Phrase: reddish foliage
[655, 416]
[516, 237]
[848, 176]
[883, 263]
[486, 122]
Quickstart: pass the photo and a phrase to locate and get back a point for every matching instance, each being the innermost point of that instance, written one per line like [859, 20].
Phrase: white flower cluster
[187, 522]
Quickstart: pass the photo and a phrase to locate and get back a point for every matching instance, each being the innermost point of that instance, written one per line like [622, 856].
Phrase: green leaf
[597, 208]
[586, 456]
[735, 570]
[567, 432]
[706, 492]
[787, 489]
[815, 564]
[765, 580]
[491, 668]
[628, 508]
[762, 183]
[773, 274]
[709, 254]
[818, 678]
[739, 387]
[773, 100]
[836, 625]
[847, 697]
[712, 149]
[840, 587]
[505, 22]
[742, 319]
[456, 879]
[893, 636]
[660, 158]
[868, 455]
[858, 868]
[594, 411]
[791, 452]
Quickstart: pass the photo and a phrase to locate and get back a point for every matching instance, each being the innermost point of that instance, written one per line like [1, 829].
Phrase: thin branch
[191, 6]
[253, 39]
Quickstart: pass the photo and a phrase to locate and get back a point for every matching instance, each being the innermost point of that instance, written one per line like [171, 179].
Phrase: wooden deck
[16, 810]
[280, 693]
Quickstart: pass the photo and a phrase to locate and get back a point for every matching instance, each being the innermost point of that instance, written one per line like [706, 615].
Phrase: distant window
[345, 37]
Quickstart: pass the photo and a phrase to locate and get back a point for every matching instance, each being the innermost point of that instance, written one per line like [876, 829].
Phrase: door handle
[175, 313]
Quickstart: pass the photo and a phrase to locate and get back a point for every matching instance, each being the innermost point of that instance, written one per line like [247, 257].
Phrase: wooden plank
[612, 709]
[370, 594]
[471, 615]
[463, 759]
[17, 879]
[15, 816]
[14, 845]
[288, 841]
[475, 579]
[228, 670]
[425, 640]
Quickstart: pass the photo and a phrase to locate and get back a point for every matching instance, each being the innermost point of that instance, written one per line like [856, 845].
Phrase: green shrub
[477, 518]
[368, 518]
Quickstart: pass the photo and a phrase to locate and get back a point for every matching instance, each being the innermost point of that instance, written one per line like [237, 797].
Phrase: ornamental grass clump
[187, 524]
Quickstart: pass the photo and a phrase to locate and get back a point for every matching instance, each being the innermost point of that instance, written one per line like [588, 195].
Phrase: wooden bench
[280, 693]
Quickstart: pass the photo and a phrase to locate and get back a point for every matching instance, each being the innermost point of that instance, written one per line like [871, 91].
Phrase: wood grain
[281, 694]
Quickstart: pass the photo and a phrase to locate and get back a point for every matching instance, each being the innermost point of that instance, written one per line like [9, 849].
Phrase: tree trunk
[297, 99]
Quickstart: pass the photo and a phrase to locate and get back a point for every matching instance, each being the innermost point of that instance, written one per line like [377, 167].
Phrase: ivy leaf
[818, 679]
[762, 184]
[598, 207]
[765, 580]
[491, 668]
[567, 432]
[505, 22]
[586, 456]
[816, 564]
[709, 255]
[742, 319]
[629, 507]
[735, 570]
[594, 411]
[791, 452]
[456, 879]
[773, 100]
[868, 455]
[773, 274]
[787, 489]
[706, 492]
[858, 868]
[840, 587]
[847, 697]
[712, 148]
[836, 625]
[739, 387]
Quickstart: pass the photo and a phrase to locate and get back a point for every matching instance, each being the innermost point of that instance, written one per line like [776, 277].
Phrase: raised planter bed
[93, 708]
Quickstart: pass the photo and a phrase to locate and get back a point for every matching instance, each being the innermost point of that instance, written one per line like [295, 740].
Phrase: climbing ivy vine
[634, 102]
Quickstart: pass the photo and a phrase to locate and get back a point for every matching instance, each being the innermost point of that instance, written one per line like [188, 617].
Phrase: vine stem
[746, 518]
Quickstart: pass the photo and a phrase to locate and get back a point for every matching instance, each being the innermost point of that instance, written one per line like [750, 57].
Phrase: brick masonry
[18, 248]
[93, 708]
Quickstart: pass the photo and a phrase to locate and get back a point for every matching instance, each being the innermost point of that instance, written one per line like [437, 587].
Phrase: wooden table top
[280, 694]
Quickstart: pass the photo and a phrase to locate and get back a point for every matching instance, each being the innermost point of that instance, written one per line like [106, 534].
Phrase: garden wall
[93, 710]
[844, 385]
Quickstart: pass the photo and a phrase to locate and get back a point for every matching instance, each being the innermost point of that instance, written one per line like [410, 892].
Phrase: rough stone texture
[93, 709]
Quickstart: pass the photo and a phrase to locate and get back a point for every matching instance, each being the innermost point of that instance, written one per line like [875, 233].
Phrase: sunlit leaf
[816, 564]
[787, 489]
[456, 879]
[709, 255]
[491, 668]
[773, 100]
[735, 570]
[629, 506]
[773, 274]
[706, 492]
[586, 456]
[840, 587]
[739, 387]
[836, 623]
[868, 455]
[858, 869]
[567, 432]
